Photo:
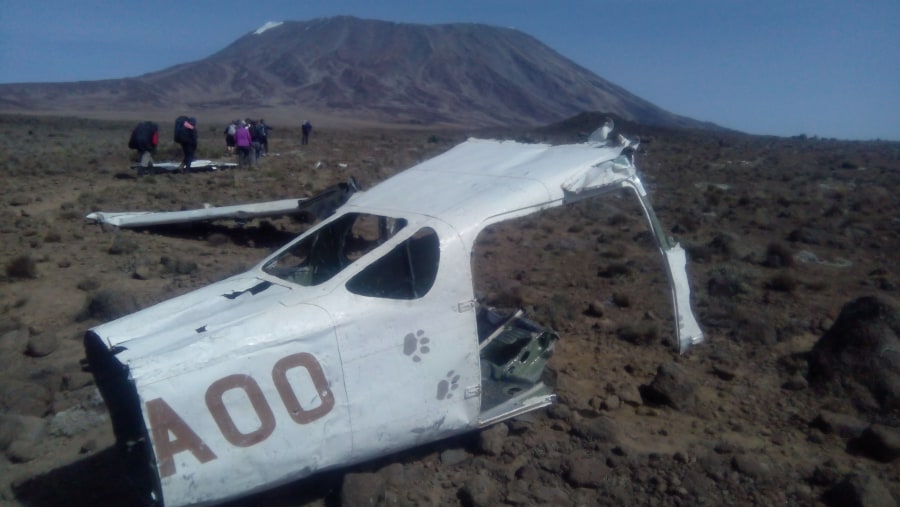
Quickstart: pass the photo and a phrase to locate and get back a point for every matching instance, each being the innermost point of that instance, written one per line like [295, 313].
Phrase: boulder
[879, 442]
[42, 344]
[843, 425]
[24, 398]
[858, 490]
[14, 341]
[75, 421]
[587, 472]
[479, 491]
[861, 347]
[673, 387]
[452, 457]
[597, 429]
[491, 440]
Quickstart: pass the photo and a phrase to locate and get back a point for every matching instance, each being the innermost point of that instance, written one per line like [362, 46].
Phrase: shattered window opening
[323, 254]
[406, 272]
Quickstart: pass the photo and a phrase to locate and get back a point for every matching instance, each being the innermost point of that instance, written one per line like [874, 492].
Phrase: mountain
[363, 70]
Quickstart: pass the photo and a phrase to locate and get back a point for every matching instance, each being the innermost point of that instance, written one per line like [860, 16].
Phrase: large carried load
[183, 134]
[144, 137]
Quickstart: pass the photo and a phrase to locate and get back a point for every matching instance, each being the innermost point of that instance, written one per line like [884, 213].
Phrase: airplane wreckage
[359, 338]
[172, 167]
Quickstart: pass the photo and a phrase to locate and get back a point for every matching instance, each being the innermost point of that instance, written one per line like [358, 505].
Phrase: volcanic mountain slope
[379, 71]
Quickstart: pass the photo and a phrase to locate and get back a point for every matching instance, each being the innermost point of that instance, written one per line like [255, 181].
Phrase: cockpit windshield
[323, 254]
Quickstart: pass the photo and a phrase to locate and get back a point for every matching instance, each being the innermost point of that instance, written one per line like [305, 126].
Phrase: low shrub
[782, 282]
[23, 266]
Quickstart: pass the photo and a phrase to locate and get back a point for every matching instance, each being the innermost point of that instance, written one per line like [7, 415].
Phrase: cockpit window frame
[325, 251]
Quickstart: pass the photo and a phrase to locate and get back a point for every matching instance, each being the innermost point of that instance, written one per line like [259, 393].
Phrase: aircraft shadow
[100, 480]
[95, 480]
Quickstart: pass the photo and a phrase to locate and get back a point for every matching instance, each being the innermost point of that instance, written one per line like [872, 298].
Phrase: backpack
[183, 135]
[143, 136]
[231, 130]
[179, 129]
[132, 141]
[260, 131]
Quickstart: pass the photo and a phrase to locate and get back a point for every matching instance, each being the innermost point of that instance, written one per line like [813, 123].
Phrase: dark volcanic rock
[597, 429]
[491, 440]
[587, 472]
[479, 491]
[751, 466]
[362, 489]
[452, 457]
[860, 491]
[673, 387]
[880, 442]
[25, 398]
[842, 424]
[42, 345]
[863, 346]
[14, 342]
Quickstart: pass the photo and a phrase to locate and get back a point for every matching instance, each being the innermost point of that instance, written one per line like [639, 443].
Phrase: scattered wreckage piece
[174, 167]
[128, 219]
[360, 338]
[310, 209]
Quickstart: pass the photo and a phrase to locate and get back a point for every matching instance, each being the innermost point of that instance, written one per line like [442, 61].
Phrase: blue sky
[780, 67]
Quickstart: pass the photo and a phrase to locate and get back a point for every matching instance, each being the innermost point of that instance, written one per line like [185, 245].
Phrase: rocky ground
[794, 398]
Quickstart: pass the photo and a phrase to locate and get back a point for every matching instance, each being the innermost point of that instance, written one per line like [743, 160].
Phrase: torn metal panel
[359, 338]
[238, 212]
[171, 167]
[310, 209]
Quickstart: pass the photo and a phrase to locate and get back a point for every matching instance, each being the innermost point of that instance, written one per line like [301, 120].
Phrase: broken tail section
[687, 329]
[614, 174]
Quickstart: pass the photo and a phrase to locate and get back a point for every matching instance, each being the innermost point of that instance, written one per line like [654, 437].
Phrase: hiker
[306, 128]
[144, 139]
[186, 136]
[230, 130]
[243, 142]
[264, 136]
[255, 142]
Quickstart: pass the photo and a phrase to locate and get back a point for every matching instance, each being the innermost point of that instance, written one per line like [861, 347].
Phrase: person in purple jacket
[242, 142]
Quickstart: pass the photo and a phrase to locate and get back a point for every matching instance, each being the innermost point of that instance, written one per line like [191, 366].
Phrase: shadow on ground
[95, 480]
[100, 480]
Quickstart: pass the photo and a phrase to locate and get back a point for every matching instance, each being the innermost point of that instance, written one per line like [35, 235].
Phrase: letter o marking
[223, 419]
[289, 397]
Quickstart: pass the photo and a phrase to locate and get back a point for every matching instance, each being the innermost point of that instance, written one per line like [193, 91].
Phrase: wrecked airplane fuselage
[359, 338]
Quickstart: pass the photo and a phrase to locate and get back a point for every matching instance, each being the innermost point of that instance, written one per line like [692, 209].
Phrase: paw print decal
[446, 387]
[416, 344]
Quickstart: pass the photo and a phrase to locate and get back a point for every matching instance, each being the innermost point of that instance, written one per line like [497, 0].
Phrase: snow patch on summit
[268, 26]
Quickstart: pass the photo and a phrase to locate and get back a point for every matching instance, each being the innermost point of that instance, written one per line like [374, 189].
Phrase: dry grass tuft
[614, 270]
[122, 245]
[109, 304]
[778, 256]
[646, 333]
[782, 282]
